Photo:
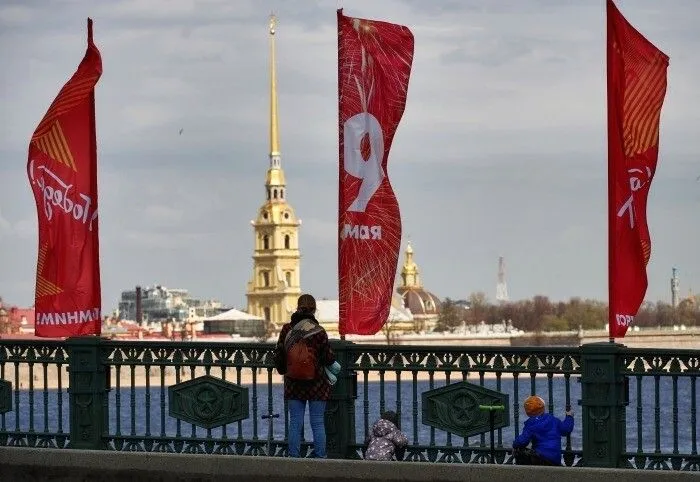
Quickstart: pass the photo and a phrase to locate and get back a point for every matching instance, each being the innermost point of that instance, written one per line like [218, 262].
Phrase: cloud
[14, 14]
[162, 241]
[24, 229]
[5, 226]
[320, 231]
[163, 216]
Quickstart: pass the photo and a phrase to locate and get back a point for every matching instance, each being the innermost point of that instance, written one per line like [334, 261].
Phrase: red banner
[62, 170]
[374, 66]
[636, 91]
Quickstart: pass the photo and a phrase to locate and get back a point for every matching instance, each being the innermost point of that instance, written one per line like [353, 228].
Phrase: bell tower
[275, 285]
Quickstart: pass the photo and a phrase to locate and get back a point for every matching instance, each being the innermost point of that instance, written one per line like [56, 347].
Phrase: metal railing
[662, 383]
[119, 394]
[33, 394]
[518, 372]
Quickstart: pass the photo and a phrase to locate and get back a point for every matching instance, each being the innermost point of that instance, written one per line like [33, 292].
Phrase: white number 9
[370, 171]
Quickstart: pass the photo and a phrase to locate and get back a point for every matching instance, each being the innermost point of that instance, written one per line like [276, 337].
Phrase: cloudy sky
[501, 150]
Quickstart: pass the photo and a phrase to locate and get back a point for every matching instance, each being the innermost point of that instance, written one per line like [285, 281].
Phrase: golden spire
[409, 273]
[274, 123]
[274, 181]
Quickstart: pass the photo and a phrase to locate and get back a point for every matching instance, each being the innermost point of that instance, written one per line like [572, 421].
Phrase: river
[162, 424]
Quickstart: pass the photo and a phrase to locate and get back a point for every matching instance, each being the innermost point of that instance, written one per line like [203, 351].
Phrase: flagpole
[93, 180]
[611, 184]
[339, 11]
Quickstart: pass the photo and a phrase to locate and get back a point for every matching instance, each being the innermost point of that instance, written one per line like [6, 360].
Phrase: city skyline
[182, 125]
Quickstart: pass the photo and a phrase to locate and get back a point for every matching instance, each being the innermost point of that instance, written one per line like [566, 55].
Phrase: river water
[155, 402]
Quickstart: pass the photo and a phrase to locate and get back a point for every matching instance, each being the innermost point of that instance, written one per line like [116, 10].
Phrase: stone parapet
[38, 465]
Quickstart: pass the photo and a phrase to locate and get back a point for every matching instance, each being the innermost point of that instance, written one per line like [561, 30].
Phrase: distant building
[275, 284]
[5, 325]
[675, 288]
[235, 322]
[15, 320]
[424, 305]
[159, 303]
[328, 315]
[464, 304]
[501, 286]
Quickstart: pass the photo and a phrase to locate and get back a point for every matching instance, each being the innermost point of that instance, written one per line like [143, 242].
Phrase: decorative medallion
[455, 408]
[208, 402]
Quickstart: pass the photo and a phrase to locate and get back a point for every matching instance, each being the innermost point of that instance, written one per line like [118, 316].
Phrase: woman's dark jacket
[318, 388]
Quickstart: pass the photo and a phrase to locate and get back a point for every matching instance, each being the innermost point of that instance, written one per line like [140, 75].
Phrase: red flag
[636, 91]
[62, 170]
[374, 66]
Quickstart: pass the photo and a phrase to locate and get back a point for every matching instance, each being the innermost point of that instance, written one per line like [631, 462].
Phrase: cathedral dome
[419, 301]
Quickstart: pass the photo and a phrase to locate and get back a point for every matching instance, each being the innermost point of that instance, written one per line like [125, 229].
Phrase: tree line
[542, 314]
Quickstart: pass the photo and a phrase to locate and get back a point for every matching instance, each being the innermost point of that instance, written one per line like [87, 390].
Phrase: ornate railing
[662, 383]
[33, 393]
[632, 407]
[518, 372]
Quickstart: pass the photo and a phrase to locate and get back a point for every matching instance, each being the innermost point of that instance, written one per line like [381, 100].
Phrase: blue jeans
[317, 410]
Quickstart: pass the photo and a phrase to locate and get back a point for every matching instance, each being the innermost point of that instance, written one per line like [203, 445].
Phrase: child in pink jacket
[386, 439]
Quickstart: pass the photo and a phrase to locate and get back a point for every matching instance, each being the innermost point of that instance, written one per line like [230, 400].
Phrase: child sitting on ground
[386, 439]
[544, 430]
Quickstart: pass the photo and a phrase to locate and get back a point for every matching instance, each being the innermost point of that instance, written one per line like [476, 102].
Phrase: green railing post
[87, 388]
[603, 401]
[340, 411]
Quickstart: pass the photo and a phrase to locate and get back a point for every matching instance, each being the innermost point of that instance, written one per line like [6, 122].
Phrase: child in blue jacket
[544, 430]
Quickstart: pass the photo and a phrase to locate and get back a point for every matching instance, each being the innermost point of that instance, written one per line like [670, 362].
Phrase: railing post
[340, 411]
[87, 390]
[603, 401]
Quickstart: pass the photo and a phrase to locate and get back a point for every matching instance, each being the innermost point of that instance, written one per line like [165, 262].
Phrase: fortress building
[275, 283]
[424, 305]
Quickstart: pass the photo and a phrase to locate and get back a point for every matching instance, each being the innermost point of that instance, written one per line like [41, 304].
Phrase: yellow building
[275, 285]
[424, 305]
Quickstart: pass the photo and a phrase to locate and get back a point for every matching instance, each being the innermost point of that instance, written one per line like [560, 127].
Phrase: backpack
[301, 357]
[301, 361]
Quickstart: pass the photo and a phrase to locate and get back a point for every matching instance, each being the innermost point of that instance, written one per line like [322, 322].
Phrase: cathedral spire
[275, 284]
[274, 181]
[410, 277]
[274, 122]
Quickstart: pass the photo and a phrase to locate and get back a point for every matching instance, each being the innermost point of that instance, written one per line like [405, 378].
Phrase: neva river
[146, 413]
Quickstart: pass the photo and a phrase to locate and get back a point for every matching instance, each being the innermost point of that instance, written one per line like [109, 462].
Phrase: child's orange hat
[534, 406]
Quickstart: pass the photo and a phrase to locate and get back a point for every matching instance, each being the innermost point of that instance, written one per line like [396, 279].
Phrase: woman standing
[314, 388]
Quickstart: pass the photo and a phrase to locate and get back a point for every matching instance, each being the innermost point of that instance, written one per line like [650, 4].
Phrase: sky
[501, 150]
